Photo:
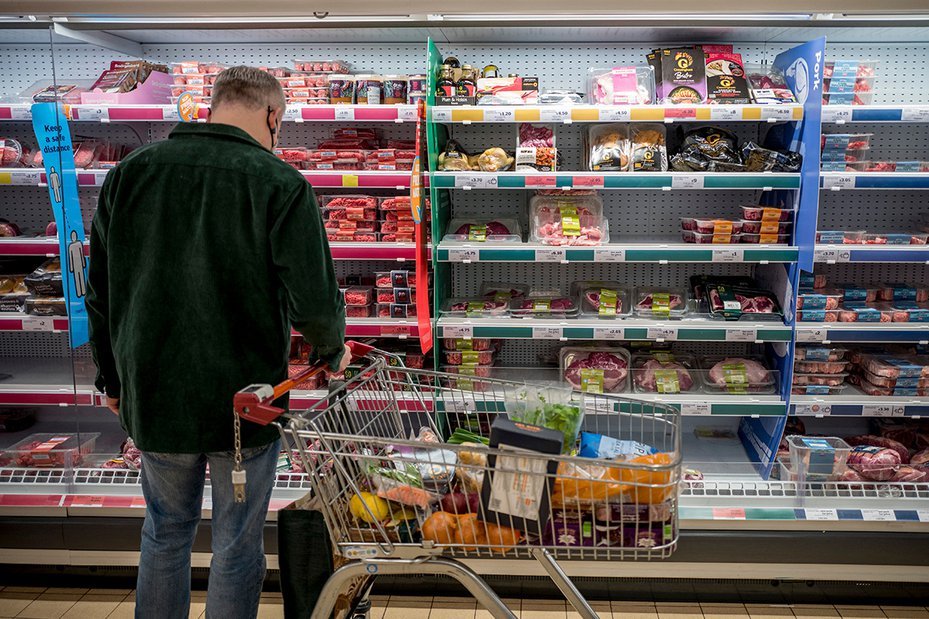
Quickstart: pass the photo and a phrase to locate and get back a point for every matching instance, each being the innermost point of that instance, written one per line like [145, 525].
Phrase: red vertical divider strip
[423, 315]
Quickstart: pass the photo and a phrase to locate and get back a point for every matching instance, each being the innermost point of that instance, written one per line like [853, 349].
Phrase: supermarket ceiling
[519, 21]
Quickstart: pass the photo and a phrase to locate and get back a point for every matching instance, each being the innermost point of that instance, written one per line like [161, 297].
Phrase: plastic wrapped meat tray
[544, 307]
[902, 292]
[472, 344]
[480, 229]
[766, 213]
[820, 367]
[396, 295]
[870, 388]
[920, 382]
[596, 370]
[762, 227]
[359, 311]
[767, 239]
[605, 301]
[665, 373]
[738, 375]
[711, 226]
[896, 238]
[818, 316]
[469, 357]
[892, 366]
[689, 236]
[503, 290]
[351, 236]
[820, 300]
[349, 201]
[654, 302]
[870, 312]
[567, 221]
[840, 237]
[829, 380]
[817, 389]
[396, 310]
[476, 307]
[819, 353]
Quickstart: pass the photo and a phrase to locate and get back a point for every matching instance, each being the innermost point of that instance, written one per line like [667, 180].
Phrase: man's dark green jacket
[205, 250]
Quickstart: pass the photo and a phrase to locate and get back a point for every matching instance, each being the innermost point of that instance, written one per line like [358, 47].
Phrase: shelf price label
[686, 181]
[587, 181]
[609, 333]
[882, 410]
[555, 114]
[835, 182]
[546, 333]
[344, 112]
[879, 515]
[832, 255]
[93, 113]
[27, 177]
[464, 254]
[292, 114]
[441, 115]
[476, 181]
[661, 334]
[100, 176]
[812, 409]
[554, 254]
[923, 515]
[38, 324]
[541, 181]
[406, 113]
[817, 334]
[725, 112]
[458, 332]
[615, 114]
[728, 255]
[776, 112]
[821, 514]
[697, 409]
[741, 335]
[20, 112]
[609, 254]
[599, 405]
[460, 405]
[915, 114]
[837, 114]
[499, 115]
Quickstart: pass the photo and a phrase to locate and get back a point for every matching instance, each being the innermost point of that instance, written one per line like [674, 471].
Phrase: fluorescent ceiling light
[304, 19]
[708, 17]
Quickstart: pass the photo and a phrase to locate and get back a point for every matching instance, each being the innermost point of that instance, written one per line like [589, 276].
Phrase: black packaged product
[698, 284]
[46, 280]
[707, 149]
[735, 303]
[758, 159]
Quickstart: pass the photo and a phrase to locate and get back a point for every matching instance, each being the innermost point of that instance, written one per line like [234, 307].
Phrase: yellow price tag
[6, 178]
[349, 180]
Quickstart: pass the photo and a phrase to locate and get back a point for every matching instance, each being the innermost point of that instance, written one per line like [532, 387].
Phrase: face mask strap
[271, 128]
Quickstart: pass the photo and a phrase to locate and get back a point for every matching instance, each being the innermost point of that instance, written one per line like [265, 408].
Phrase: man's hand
[346, 360]
[113, 404]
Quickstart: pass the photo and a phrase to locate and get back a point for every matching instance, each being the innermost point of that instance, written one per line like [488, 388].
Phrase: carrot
[407, 495]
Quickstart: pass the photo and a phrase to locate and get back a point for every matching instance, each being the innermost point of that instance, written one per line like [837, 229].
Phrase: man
[205, 249]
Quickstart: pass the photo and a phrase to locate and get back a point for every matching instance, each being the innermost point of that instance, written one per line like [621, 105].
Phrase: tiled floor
[40, 603]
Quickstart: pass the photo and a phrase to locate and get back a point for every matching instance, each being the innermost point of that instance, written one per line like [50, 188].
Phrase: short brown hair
[248, 86]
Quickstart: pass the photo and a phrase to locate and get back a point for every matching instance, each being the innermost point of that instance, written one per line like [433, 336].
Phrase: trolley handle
[254, 403]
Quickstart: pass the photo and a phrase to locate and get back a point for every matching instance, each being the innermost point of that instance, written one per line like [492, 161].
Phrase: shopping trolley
[398, 499]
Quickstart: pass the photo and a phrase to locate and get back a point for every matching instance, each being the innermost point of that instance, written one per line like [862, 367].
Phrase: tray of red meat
[665, 373]
[544, 307]
[476, 307]
[737, 375]
[594, 302]
[652, 302]
[596, 369]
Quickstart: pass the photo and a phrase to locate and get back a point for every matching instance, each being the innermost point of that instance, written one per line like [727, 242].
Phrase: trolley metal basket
[377, 459]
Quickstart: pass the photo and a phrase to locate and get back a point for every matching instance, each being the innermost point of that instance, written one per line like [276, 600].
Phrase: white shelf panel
[835, 254]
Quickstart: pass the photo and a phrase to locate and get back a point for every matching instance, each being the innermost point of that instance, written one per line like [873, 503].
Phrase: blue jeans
[173, 489]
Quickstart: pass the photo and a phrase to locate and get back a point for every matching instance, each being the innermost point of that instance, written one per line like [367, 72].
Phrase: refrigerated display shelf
[838, 181]
[854, 403]
[765, 181]
[168, 113]
[47, 246]
[467, 114]
[863, 332]
[841, 114]
[623, 251]
[697, 330]
[834, 254]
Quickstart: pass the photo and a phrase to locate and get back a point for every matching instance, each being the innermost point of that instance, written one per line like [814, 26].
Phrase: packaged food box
[811, 280]
[544, 307]
[396, 295]
[350, 225]
[830, 380]
[605, 301]
[766, 213]
[819, 353]
[479, 230]
[856, 293]
[477, 343]
[824, 300]
[662, 372]
[45, 306]
[891, 292]
[738, 375]
[711, 226]
[658, 302]
[399, 278]
[568, 221]
[909, 311]
[359, 311]
[476, 308]
[725, 78]
[766, 239]
[359, 295]
[842, 142]
[895, 366]
[395, 310]
[818, 316]
[870, 388]
[817, 389]
[469, 357]
[912, 382]
[820, 367]
[689, 236]
[840, 237]
[818, 458]
[682, 78]
[865, 312]
[45, 450]
[342, 235]
[595, 369]
[762, 227]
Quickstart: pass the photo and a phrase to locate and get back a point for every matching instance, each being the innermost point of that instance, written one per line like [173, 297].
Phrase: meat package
[869, 388]
[661, 372]
[625, 85]
[819, 353]
[44, 450]
[8, 229]
[891, 366]
[477, 343]
[603, 299]
[657, 302]
[469, 357]
[738, 375]
[596, 370]
[479, 229]
[568, 221]
[503, 290]
[820, 367]
[535, 148]
[874, 463]
[902, 292]
[737, 303]
[544, 307]
[766, 214]
[476, 307]
[826, 299]
[813, 379]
